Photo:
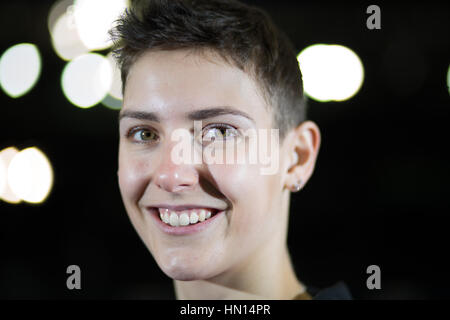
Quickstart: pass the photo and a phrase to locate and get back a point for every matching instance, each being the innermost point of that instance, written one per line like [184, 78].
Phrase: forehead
[179, 81]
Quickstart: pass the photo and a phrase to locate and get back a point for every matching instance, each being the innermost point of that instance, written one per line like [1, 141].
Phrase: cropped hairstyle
[244, 36]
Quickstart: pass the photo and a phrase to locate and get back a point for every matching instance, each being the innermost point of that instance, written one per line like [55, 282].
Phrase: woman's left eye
[219, 132]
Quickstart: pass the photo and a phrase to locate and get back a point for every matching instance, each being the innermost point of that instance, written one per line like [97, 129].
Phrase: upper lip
[183, 207]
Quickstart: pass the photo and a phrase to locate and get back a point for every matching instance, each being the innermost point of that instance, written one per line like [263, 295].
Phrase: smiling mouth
[181, 218]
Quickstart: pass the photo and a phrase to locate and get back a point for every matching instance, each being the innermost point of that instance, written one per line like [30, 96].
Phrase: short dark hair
[242, 35]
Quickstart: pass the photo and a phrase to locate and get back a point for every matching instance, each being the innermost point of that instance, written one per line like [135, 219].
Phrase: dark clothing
[338, 291]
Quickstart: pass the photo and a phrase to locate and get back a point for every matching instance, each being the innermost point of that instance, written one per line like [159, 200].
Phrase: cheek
[133, 176]
[252, 194]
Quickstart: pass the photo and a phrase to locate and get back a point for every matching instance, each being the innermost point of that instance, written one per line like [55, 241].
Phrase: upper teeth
[185, 217]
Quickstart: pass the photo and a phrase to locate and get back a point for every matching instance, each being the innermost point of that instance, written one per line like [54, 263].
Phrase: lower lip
[183, 230]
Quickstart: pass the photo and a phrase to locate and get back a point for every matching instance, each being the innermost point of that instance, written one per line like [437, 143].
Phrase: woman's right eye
[143, 135]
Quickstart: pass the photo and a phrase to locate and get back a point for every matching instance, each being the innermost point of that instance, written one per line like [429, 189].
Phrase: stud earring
[297, 186]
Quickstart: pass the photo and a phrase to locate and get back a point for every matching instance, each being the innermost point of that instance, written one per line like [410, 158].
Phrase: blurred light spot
[87, 79]
[30, 175]
[3, 176]
[448, 79]
[6, 194]
[20, 67]
[116, 87]
[112, 103]
[65, 38]
[330, 72]
[94, 18]
[57, 10]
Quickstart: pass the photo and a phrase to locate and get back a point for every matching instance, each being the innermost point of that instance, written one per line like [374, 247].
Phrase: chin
[186, 272]
[185, 275]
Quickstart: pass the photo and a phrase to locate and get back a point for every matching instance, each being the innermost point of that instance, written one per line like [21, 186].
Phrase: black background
[379, 194]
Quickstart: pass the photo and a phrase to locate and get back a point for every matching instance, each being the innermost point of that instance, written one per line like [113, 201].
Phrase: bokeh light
[113, 99]
[64, 34]
[112, 103]
[330, 72]
[87, 79]
[94, 18]
[448, 79]
[6, 194]
[3, 176]
[116, 85]
[20, 67]
[30, 175]
[58, 8]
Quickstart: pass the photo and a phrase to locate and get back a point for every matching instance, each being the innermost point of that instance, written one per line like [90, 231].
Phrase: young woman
[221, 74]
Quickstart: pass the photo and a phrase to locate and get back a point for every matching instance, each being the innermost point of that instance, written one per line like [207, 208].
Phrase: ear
[303, 151]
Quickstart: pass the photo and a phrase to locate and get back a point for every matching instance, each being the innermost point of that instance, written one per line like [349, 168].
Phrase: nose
[173, 177]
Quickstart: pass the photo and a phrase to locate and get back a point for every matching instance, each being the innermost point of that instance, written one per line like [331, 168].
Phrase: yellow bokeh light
[330, 72]
[30, 175]
[6, 194]
[87, 79]
[20, 67]
[94, 18]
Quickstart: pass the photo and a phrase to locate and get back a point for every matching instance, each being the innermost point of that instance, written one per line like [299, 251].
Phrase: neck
[264, 275]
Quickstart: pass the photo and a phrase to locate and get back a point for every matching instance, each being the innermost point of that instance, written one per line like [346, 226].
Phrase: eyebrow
[141, 115]
[194, 115]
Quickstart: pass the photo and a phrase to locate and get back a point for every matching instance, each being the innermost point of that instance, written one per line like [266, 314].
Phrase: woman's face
[166, 91]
